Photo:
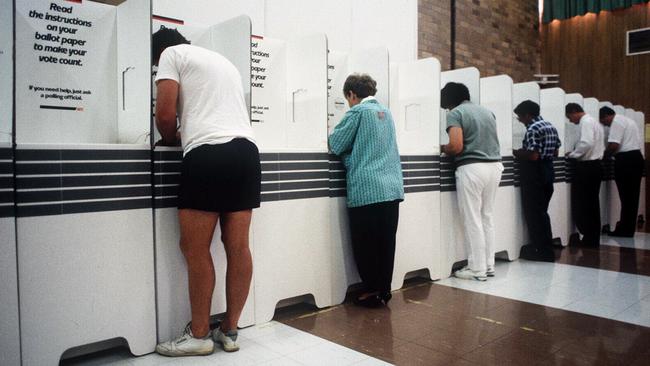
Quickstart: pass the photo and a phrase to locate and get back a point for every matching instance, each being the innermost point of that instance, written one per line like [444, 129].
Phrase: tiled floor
[271, 344]
[592, 307]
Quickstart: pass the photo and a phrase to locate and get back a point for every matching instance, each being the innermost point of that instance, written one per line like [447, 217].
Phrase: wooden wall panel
[588, 52]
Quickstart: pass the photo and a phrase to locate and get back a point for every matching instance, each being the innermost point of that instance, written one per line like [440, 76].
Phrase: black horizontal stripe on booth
[167, 167]
[421, 181]
[83, 181]
[81, 154]
[64, 181]
[164, 179]
[419, 158]
[338, 193]
[286, 196]
[431, 173]
[7, 211]
[80, 168]
[419, 165]
[166, 202]
[274, 187]
[314, 156]
[80, 194]
[298, 165]
[6, 153]
[276, 177]
[419, 189]
[167, 191]
[82, 207]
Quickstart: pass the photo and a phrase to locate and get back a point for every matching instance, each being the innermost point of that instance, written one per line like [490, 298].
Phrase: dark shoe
[621, 234]
[372, 301]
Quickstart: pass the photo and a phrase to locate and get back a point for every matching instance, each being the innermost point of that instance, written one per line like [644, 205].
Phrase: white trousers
[476, 188]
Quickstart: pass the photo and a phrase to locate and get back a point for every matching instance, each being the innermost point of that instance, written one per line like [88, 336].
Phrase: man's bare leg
[234, 234]
[197, 229]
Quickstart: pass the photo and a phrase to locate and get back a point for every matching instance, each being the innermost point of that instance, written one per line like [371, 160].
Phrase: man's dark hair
[527, 107]
[606, 111]
[163, 38]
[573, 108]
[360, 84]
[453, 94]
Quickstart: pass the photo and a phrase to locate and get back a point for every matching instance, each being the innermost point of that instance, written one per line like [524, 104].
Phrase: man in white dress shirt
[585, 187]
[624, 142]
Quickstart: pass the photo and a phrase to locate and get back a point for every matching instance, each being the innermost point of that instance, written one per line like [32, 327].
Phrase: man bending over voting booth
[220, 179]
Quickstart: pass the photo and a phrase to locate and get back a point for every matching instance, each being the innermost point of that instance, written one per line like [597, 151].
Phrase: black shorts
[221, 178]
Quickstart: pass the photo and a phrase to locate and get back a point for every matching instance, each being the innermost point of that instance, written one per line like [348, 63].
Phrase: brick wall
[496, 36]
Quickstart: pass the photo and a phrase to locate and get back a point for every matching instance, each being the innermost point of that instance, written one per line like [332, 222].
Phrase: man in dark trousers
[585, 202]
[540, 146]
[624, 142]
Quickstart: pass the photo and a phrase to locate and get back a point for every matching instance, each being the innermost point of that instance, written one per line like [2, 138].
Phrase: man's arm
[586, 141]
[455, 145]
[612, 148]
[166, 101]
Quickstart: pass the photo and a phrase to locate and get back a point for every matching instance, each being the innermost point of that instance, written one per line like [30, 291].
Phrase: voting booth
[571, 138]
[9, 323]
[374, 62]
[291, 247]
[497, 97]
[83, 177]
[520, 93]
[452, 237]
[415, 105]
[592, 108]
[552, 110]
[232, 39]
[639, 118]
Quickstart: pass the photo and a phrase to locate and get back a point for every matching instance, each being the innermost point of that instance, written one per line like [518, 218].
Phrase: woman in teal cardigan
[365, 139]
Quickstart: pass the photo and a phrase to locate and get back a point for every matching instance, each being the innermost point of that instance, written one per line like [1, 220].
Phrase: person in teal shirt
[366, 142]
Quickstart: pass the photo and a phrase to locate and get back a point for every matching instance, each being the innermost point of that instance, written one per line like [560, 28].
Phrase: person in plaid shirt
[540, 147]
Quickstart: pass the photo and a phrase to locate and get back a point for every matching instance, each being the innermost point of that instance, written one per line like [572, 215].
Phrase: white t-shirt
[624, 132]
[591, 142]
[211, 101]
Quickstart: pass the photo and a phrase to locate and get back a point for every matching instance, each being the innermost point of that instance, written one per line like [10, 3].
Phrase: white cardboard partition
[6, 70]
[552, 109]
[9, 324]
[292, 252]
[73, 74]
[592, 107]
[373, 62]
[639, 117]
[612, 201]
[231, 39]
[521, 92]
[496, 96]
[452, 237]
[415, 102]
[90, 201]
[571, 137]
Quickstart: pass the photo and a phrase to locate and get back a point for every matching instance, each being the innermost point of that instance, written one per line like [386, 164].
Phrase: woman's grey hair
[362, 85]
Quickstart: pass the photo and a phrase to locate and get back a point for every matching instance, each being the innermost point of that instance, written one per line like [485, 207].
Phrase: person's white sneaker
[490, 271]
[228, 340]
[186, 345]
[466, 273]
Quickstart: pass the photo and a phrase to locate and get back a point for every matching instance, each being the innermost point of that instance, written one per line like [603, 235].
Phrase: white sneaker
[228, 340]
[466, 273]
[490, 271]
[186, 345]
